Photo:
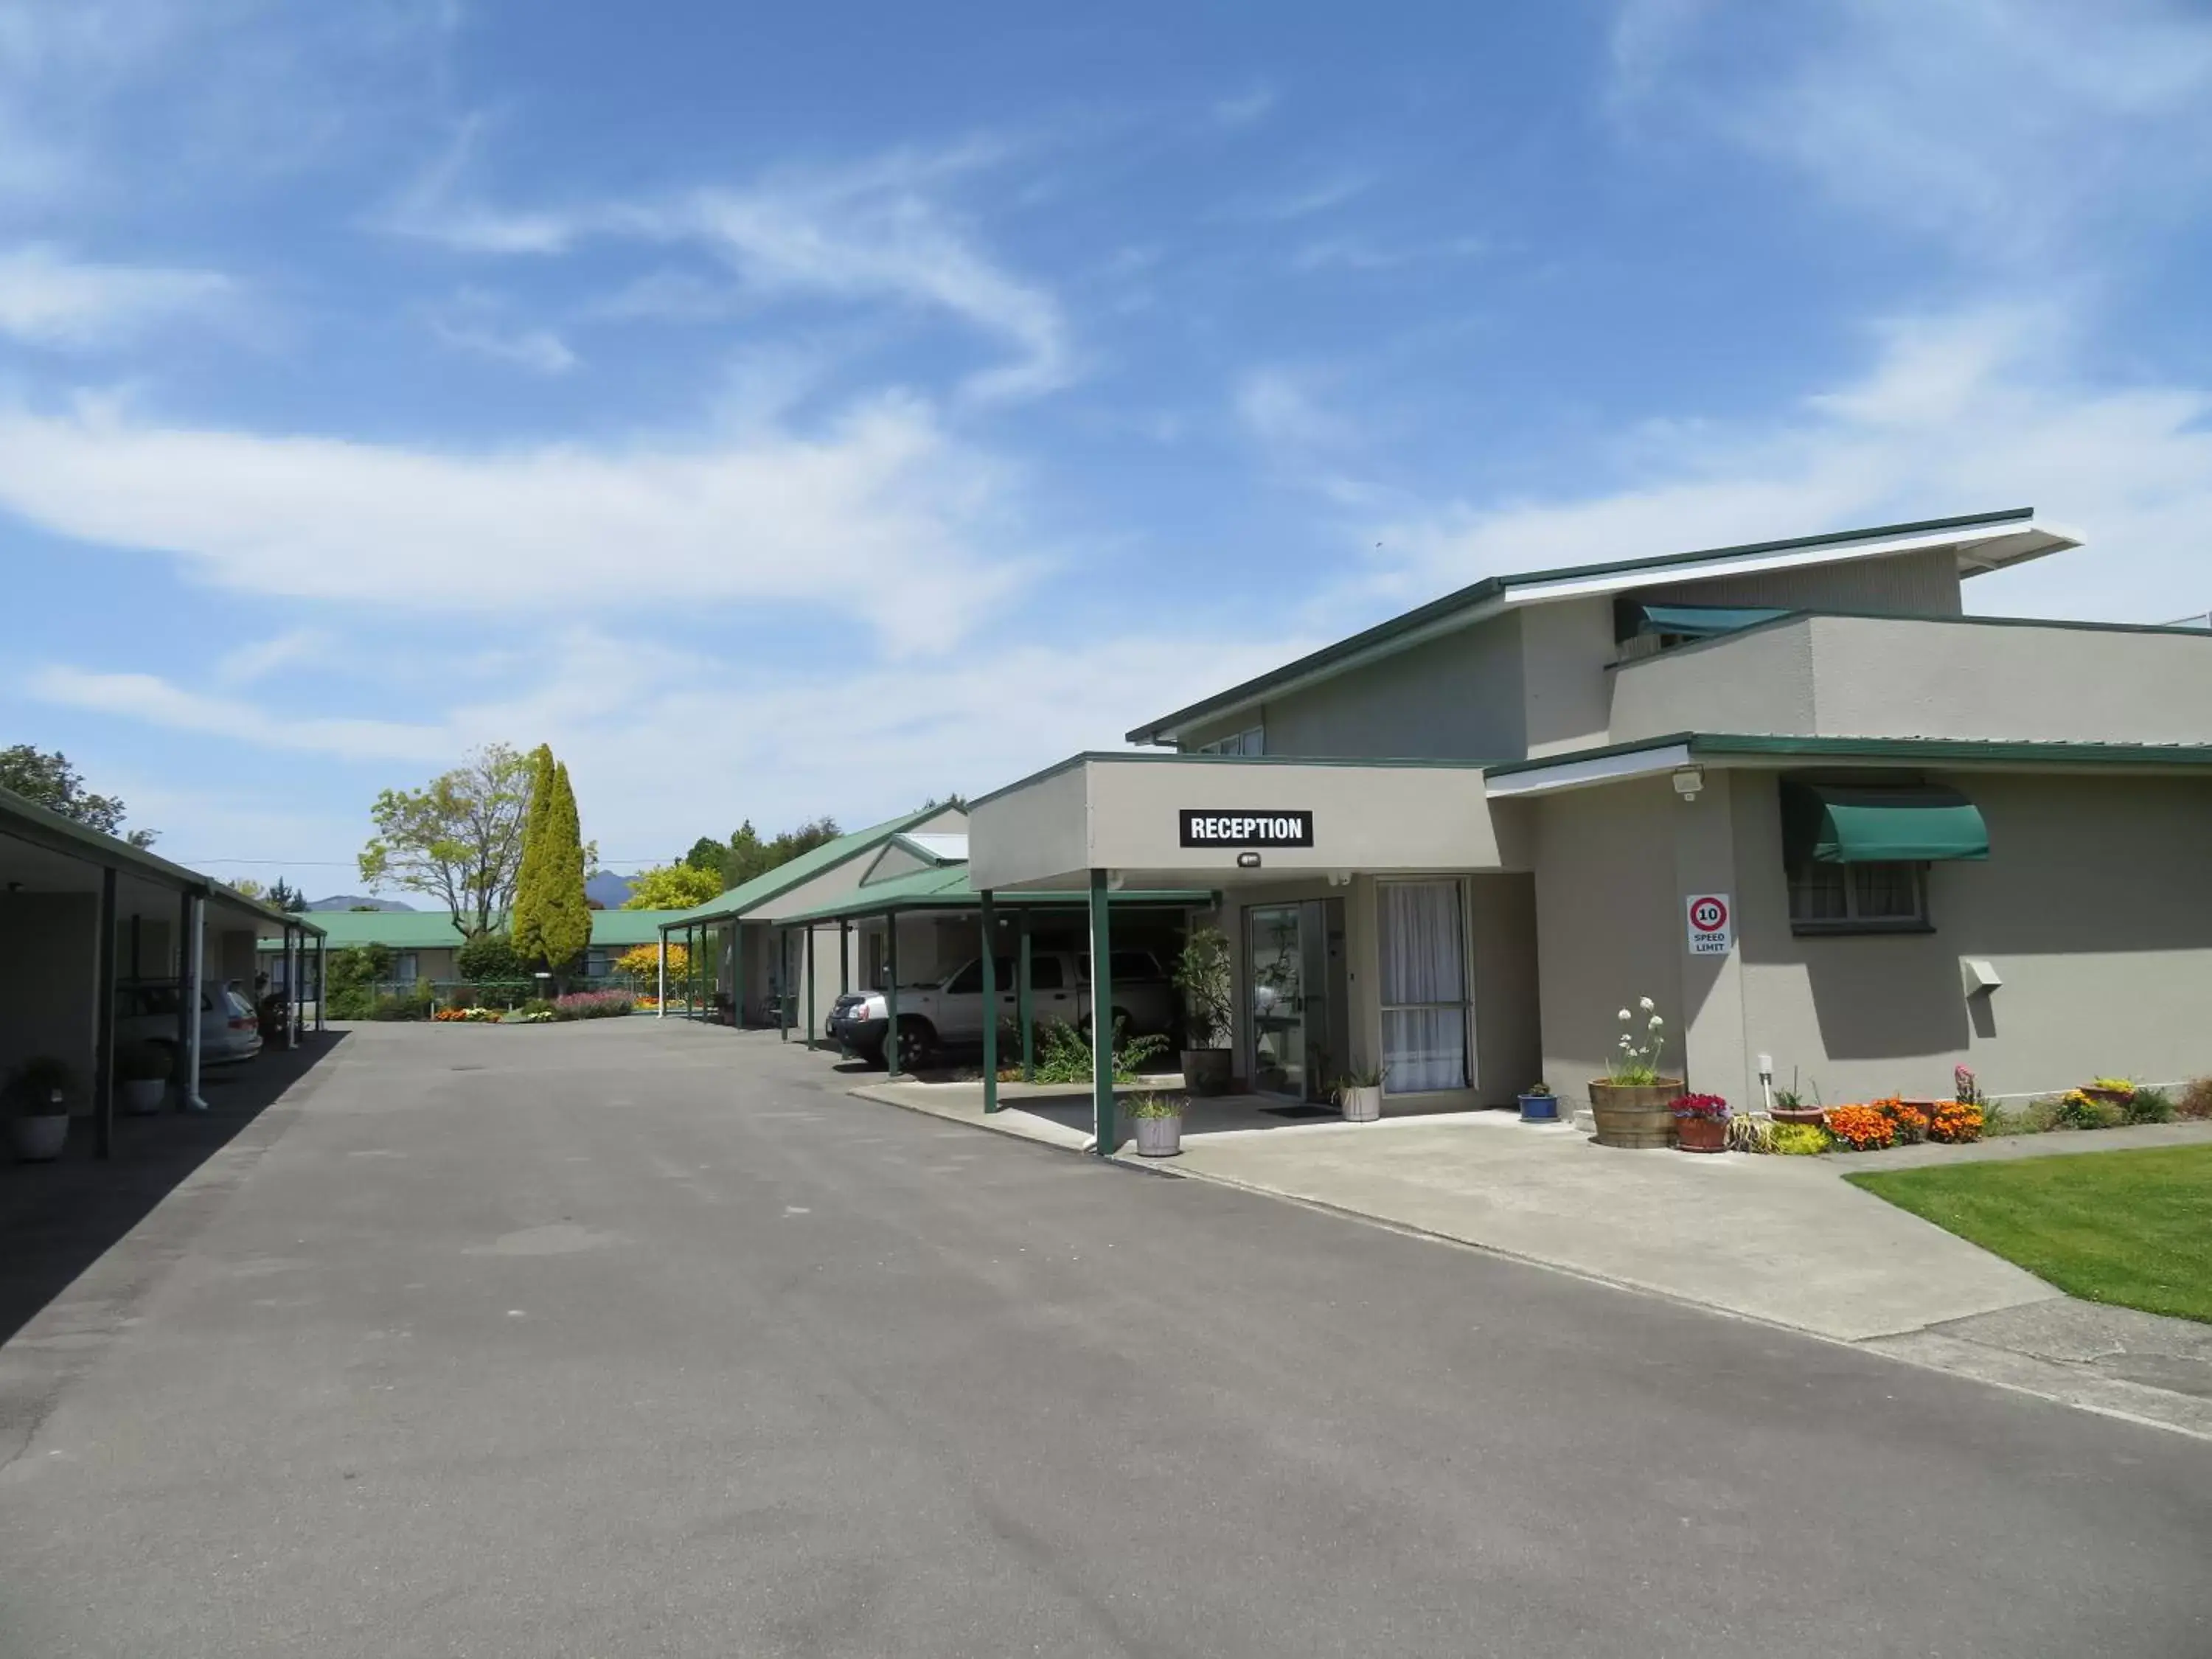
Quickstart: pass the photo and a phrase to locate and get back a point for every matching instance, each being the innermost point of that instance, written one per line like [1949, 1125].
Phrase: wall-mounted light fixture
[1688, 780]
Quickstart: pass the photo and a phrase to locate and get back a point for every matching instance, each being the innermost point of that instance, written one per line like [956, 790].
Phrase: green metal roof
[1920, 750]
[751, 895]
[950, 889]
[433, 930]
[1331, 657]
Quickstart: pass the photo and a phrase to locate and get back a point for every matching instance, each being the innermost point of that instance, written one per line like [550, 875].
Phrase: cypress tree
[526, 930]
[566, 925]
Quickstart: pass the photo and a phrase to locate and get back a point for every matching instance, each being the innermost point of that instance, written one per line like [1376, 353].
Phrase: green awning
[1700, 621]
[1863, 823]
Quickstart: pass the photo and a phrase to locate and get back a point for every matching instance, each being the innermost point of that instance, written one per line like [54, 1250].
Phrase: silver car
[146, 1011]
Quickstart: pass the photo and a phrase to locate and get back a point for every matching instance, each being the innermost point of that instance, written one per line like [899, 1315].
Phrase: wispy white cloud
[48, 298]
[537, 350]
[758, 515]
[153, 700]
[1322, 194]
[249, 663]
[1246, 108]
[1954, 414]
[878, 231]
[2001, 124]
[1278, 407]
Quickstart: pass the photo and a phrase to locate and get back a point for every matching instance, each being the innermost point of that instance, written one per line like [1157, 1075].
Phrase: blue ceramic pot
[1540, 1109]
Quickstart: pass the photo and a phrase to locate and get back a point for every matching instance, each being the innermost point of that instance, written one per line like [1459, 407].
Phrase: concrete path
[1777, 1239]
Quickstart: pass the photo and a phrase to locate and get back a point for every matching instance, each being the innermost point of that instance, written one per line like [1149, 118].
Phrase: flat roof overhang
[1124, 813]
[1655, 756]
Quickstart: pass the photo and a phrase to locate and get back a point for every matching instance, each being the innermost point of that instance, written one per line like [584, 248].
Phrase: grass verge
[2131, 1228]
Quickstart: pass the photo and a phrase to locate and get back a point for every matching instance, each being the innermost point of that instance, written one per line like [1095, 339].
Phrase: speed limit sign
[1712, 925]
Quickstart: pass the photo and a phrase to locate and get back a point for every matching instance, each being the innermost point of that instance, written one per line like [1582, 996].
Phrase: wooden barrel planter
[1635, 1114]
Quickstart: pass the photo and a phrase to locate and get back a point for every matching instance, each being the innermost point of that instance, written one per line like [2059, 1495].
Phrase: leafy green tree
[49, 780]
[285, 896]
[246, 887]
[673, 887]
[351, 976]
[552, 919]
[459, 838]
[751, 856]
[707, 853]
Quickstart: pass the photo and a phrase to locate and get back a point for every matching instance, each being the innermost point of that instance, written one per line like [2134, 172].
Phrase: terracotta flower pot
[1701, 1134]
[1635, 1114]
[1813, 1116]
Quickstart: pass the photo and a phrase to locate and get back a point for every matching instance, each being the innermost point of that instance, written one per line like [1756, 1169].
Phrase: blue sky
[788, 410]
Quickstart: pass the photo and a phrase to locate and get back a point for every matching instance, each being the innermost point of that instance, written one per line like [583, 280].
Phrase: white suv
[951, 1012]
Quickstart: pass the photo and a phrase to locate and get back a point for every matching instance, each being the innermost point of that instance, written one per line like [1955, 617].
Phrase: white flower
[1624, 1014]
[1656, 1022]
[1644, 1003]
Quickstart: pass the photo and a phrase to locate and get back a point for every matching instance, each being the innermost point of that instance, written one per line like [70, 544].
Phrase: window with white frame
[1252, 740]
[1858, 898]
[1423, 949]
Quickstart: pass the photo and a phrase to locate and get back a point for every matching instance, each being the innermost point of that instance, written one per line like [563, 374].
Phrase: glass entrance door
[1274, 949]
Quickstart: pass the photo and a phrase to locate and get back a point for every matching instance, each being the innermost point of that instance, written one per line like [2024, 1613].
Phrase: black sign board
[1245, 826]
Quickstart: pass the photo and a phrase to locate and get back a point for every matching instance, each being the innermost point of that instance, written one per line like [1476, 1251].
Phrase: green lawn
[2131, 1228]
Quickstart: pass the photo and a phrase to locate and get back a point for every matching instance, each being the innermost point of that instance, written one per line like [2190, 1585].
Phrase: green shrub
[2148, 1105]
[350, 978]
[1151, 1105]
[1063, 1054]
[1798, 1139]
[488, 957]
[2075, 1110]
[2196, 1100]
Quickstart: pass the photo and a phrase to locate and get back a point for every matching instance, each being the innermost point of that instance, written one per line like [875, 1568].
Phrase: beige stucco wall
[1508, 1045]
[2096, 906]
[1124, 816]
[1605, 915]
[1923, 584]
[1454, 697]
[1565, 645]
[1876, 676]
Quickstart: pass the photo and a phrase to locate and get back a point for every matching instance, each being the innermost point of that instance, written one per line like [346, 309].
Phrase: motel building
[1792, 792]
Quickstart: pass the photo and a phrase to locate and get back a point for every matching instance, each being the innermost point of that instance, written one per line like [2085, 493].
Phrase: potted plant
[1701, 1123]
[143, 1071]
[38, 1096]
[1539, 1104]
[1202, 974]
[1789, 1105]
[1359, 1093]
[1633, 1104]
[1159, 1124]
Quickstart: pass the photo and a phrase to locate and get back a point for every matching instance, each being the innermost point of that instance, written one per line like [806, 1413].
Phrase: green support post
[811, 1023]
[1023, 1016]
[1102, 1019]
[782, 984]
[844, 958]
[890, 995]
[990, 1007]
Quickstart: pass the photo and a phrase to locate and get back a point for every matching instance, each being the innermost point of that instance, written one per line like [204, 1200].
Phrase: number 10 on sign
[1712, 925]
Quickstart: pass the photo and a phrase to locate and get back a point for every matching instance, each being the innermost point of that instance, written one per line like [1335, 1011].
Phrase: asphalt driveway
[643, 1338]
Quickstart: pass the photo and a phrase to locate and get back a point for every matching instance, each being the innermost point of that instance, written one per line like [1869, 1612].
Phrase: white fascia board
[1832, 553]
[1581, 774]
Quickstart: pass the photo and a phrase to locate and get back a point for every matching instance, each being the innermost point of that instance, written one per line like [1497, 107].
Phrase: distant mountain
[609, 890]
[353, 901]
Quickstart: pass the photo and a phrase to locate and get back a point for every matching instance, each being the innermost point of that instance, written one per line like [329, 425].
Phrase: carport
[85, 915]
[948, 894]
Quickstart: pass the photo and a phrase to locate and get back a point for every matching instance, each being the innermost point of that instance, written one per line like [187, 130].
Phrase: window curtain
[1424, 987]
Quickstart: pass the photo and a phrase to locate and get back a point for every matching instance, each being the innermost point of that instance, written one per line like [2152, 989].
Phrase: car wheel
[916, 1038]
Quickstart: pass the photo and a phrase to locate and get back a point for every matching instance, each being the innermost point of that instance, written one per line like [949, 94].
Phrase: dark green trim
[811, 1024]
[1022, 1004]
[1168, 758]
[1491, 587]
[890, 997]
[1972, 751]
[1102, 1016]
[989, 928]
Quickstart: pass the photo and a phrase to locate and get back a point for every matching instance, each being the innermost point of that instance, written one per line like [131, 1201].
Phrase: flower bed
[594, 1005]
